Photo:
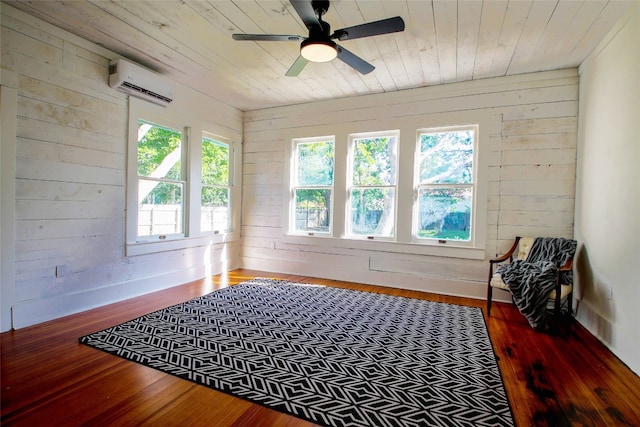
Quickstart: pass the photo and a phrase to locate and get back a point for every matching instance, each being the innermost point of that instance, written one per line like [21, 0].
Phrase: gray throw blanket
[532, 280]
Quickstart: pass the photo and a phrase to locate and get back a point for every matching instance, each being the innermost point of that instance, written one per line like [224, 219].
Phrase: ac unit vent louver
[136, 81]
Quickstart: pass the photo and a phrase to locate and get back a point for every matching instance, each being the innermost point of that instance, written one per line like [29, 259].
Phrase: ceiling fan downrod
[322, 32]
[320, 7]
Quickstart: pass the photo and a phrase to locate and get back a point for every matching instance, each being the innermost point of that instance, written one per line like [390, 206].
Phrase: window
[216, 186]
[312, 186]
[426, 194]
[181, 189]
[445, 183]
[161, 182]
[372, 189]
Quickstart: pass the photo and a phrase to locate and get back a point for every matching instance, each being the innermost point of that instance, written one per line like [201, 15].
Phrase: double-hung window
[181, 190]
[445, 184]
[312, 192]
[216, 185]
[161, 180]
[372, 187]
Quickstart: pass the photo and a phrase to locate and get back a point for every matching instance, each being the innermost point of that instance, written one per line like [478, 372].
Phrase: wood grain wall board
[50, 170]
[507, 233]
[536, 218]
[57, 209]
[510, 34]
[430, 267]
[61, 77]
[556, 188]
[277, 162]
[38, 130]
[560, 168]
[491, 20]
[563, 140]
[266, 232]
[541, 111]
[538, 203]
[274, 191]
[540, 126]
[263, 158]
[532, 31]
[263, 220]
[67, 94]
[467, 38]
[68, 154]
[407, 108]
[70, 117]
[52, 228]
[28, 189]
[273, 180]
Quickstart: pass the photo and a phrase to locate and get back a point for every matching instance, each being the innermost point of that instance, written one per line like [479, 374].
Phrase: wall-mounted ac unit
[136, 81]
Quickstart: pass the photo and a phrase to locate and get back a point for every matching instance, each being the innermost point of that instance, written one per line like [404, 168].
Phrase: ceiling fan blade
[267, 37]
[296, 67]
[384, 26]
[354, 61]
[306, 13]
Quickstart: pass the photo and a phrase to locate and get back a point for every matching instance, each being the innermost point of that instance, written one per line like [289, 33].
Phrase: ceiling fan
[319, 46]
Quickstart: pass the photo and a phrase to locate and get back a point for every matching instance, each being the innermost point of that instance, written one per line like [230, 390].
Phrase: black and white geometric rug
[332, 356]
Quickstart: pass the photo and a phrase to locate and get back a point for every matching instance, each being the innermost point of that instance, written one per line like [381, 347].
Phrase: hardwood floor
[48, 378]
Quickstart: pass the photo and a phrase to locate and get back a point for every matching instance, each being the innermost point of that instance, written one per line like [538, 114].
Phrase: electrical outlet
[61, 270]
[610, 292]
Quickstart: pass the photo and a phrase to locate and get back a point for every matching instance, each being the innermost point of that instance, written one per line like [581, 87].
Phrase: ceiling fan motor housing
[321, 32]
[319, 47]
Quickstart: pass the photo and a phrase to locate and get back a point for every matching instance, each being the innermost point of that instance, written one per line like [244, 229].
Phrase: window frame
[418, 186]
[228, 186]
[294, 185]
[350, 186]
[184, 153]
[195, 128]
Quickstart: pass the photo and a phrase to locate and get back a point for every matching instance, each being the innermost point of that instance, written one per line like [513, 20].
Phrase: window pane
[315, 163]
[313, 210]
[215, 162]
[374, 161]
[446, 157]
[372, 212]
[214, 213]
[160, 210]
[444, 213]
[159, 151]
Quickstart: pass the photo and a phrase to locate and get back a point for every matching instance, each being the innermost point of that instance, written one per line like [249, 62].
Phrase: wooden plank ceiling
[444, 41]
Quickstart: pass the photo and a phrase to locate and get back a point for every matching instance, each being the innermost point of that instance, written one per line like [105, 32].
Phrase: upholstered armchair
[514, 272]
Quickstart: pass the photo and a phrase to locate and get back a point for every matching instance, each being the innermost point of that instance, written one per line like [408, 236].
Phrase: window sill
[150, 247]
[449, 250]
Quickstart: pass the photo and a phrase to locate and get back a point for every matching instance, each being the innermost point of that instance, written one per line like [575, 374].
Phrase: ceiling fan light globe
[318, 51]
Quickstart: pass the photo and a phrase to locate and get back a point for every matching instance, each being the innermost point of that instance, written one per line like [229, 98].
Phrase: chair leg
[569, 317]
[557, 311]
[489, 289]
[570, 304]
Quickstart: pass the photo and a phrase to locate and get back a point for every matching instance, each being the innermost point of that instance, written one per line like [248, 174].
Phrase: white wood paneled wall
[71, 144]
[531, 188]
